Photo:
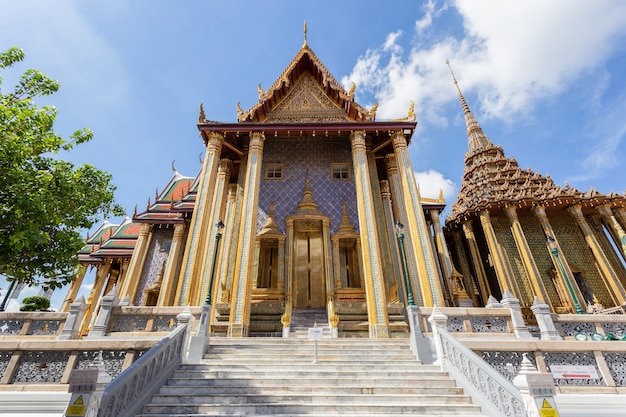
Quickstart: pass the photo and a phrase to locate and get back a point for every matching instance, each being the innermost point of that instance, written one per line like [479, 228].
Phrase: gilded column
[409, 241]
[288, 264]
[561, 266]
[385, 193]
[94, 295]
[430, 280]
[440, 242]
[470, 285]
[617, 232]
[173, 260]
[223, 288]
[74, 288]
[234, 242]
[216, 214]
[499, 257]
[328, 260]
[620, 215]
[528, 260]
[610, 277]
[133, 275]
[479, 269]
[372, 262]
[200, 226]
[240, 300]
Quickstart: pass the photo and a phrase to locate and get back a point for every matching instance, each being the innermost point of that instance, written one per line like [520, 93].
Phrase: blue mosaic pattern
[299, 156]
[154, 261]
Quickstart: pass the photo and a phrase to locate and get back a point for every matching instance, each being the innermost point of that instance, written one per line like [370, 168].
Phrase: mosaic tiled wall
[604, 238]
[155, 259]
[536, 239]
[502, 227]
[299, 156]
[577, 252]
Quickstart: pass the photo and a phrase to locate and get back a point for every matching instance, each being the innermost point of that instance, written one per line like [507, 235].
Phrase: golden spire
[305, 41]
[476, 138]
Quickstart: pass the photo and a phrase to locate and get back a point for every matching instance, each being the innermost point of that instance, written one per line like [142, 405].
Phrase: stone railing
[50, 362]
[611, 326]
[43, 325]
[474, 321]
[595, 366]
[127, 394]
[127, 320]
[495, 394]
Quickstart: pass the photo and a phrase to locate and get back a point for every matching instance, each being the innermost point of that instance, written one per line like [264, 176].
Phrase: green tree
[44, 201]
[35, 303]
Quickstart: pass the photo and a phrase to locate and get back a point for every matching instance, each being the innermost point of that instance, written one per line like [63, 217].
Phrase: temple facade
[305, 203]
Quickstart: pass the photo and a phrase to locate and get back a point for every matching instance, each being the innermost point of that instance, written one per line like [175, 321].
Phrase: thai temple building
[306, 216]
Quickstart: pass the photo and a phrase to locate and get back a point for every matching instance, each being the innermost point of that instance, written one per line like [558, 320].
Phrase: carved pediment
[306, 102]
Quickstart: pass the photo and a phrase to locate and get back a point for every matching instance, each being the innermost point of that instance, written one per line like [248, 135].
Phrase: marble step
[327, 408]
[300, 373]
[319, 388]
[338, 382]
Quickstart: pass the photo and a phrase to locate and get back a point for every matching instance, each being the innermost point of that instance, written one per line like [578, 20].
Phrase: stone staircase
[275, 376]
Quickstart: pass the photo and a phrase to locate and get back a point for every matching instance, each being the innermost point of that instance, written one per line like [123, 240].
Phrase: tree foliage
[35, 303]
[44, 201]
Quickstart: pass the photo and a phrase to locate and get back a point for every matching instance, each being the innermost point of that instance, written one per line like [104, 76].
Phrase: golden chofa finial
[261, 92]
[351, 91]
[412, 111]
[372, 111]
[305, 44]
[201, 117]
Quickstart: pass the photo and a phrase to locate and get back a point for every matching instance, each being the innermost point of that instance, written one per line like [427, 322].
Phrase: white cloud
[432, 182]
[511, 52]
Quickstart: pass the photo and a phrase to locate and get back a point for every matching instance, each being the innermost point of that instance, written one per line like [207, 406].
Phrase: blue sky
[546, 80]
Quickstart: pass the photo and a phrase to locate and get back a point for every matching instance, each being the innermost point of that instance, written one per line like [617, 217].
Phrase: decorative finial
[239, 112]
[261, 93]
[373, 111]
[412, 111]
[305, 41]
[200, 158]
[351, 91]
[201, 117]
[173, 167]
[156, 195]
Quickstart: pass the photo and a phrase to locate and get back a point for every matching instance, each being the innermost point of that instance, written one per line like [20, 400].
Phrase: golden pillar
[499, 257]
[133, 275]
[385, 194]
[400, 209]
[328, 260]
[200, 220]
[171, 267]
[95, 294]
[608, 273]
[525, 253]
[479, 269]
[216, 214]
[70, 297]
[430, 280]
[223, 294]
[440, 242]
[372, 261]
[620, 215]
[240, 300]
[616, 230]
[471, 285]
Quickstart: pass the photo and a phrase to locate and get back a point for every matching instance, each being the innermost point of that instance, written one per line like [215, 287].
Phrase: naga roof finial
[305, 44]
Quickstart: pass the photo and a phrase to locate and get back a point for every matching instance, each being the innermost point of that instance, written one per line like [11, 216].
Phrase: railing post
[199, 342]
[438, 320]
[420, 345]
[103, 380]
[544, 320]
[71, 327]
[519, 326]
[104, 315]
[492, 302]
[185, 318]
[537, 390]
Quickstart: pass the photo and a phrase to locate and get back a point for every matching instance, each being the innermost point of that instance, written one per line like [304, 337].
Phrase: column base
[379, 331]
[237, 330]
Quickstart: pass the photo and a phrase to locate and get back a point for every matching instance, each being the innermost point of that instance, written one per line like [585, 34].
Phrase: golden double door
[309, 283]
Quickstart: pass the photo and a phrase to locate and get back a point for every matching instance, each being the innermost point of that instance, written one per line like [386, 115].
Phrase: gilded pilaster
[288, 263]
[216, 214]
[385, 193]
[562, 268]
[372, 262]
[240, 302]
[72, 292]
[526, 255]
[328, 260]
[400, 210]
[617, 232]
[133, 275]
[234, 242]
[226, 248]
[610, 277]
[200, 225]
[468, 230]
[430, 280]
[472, 283]
[499, 256]
[171, 267]
[95, 294]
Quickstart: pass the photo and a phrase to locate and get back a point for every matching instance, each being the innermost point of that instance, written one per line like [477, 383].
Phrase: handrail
[126, 394]
[498, 397]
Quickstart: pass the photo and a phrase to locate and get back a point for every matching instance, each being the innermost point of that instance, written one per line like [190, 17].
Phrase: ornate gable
[307, 102]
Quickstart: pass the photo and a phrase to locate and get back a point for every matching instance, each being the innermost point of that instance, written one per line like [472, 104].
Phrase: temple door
[309, 279]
